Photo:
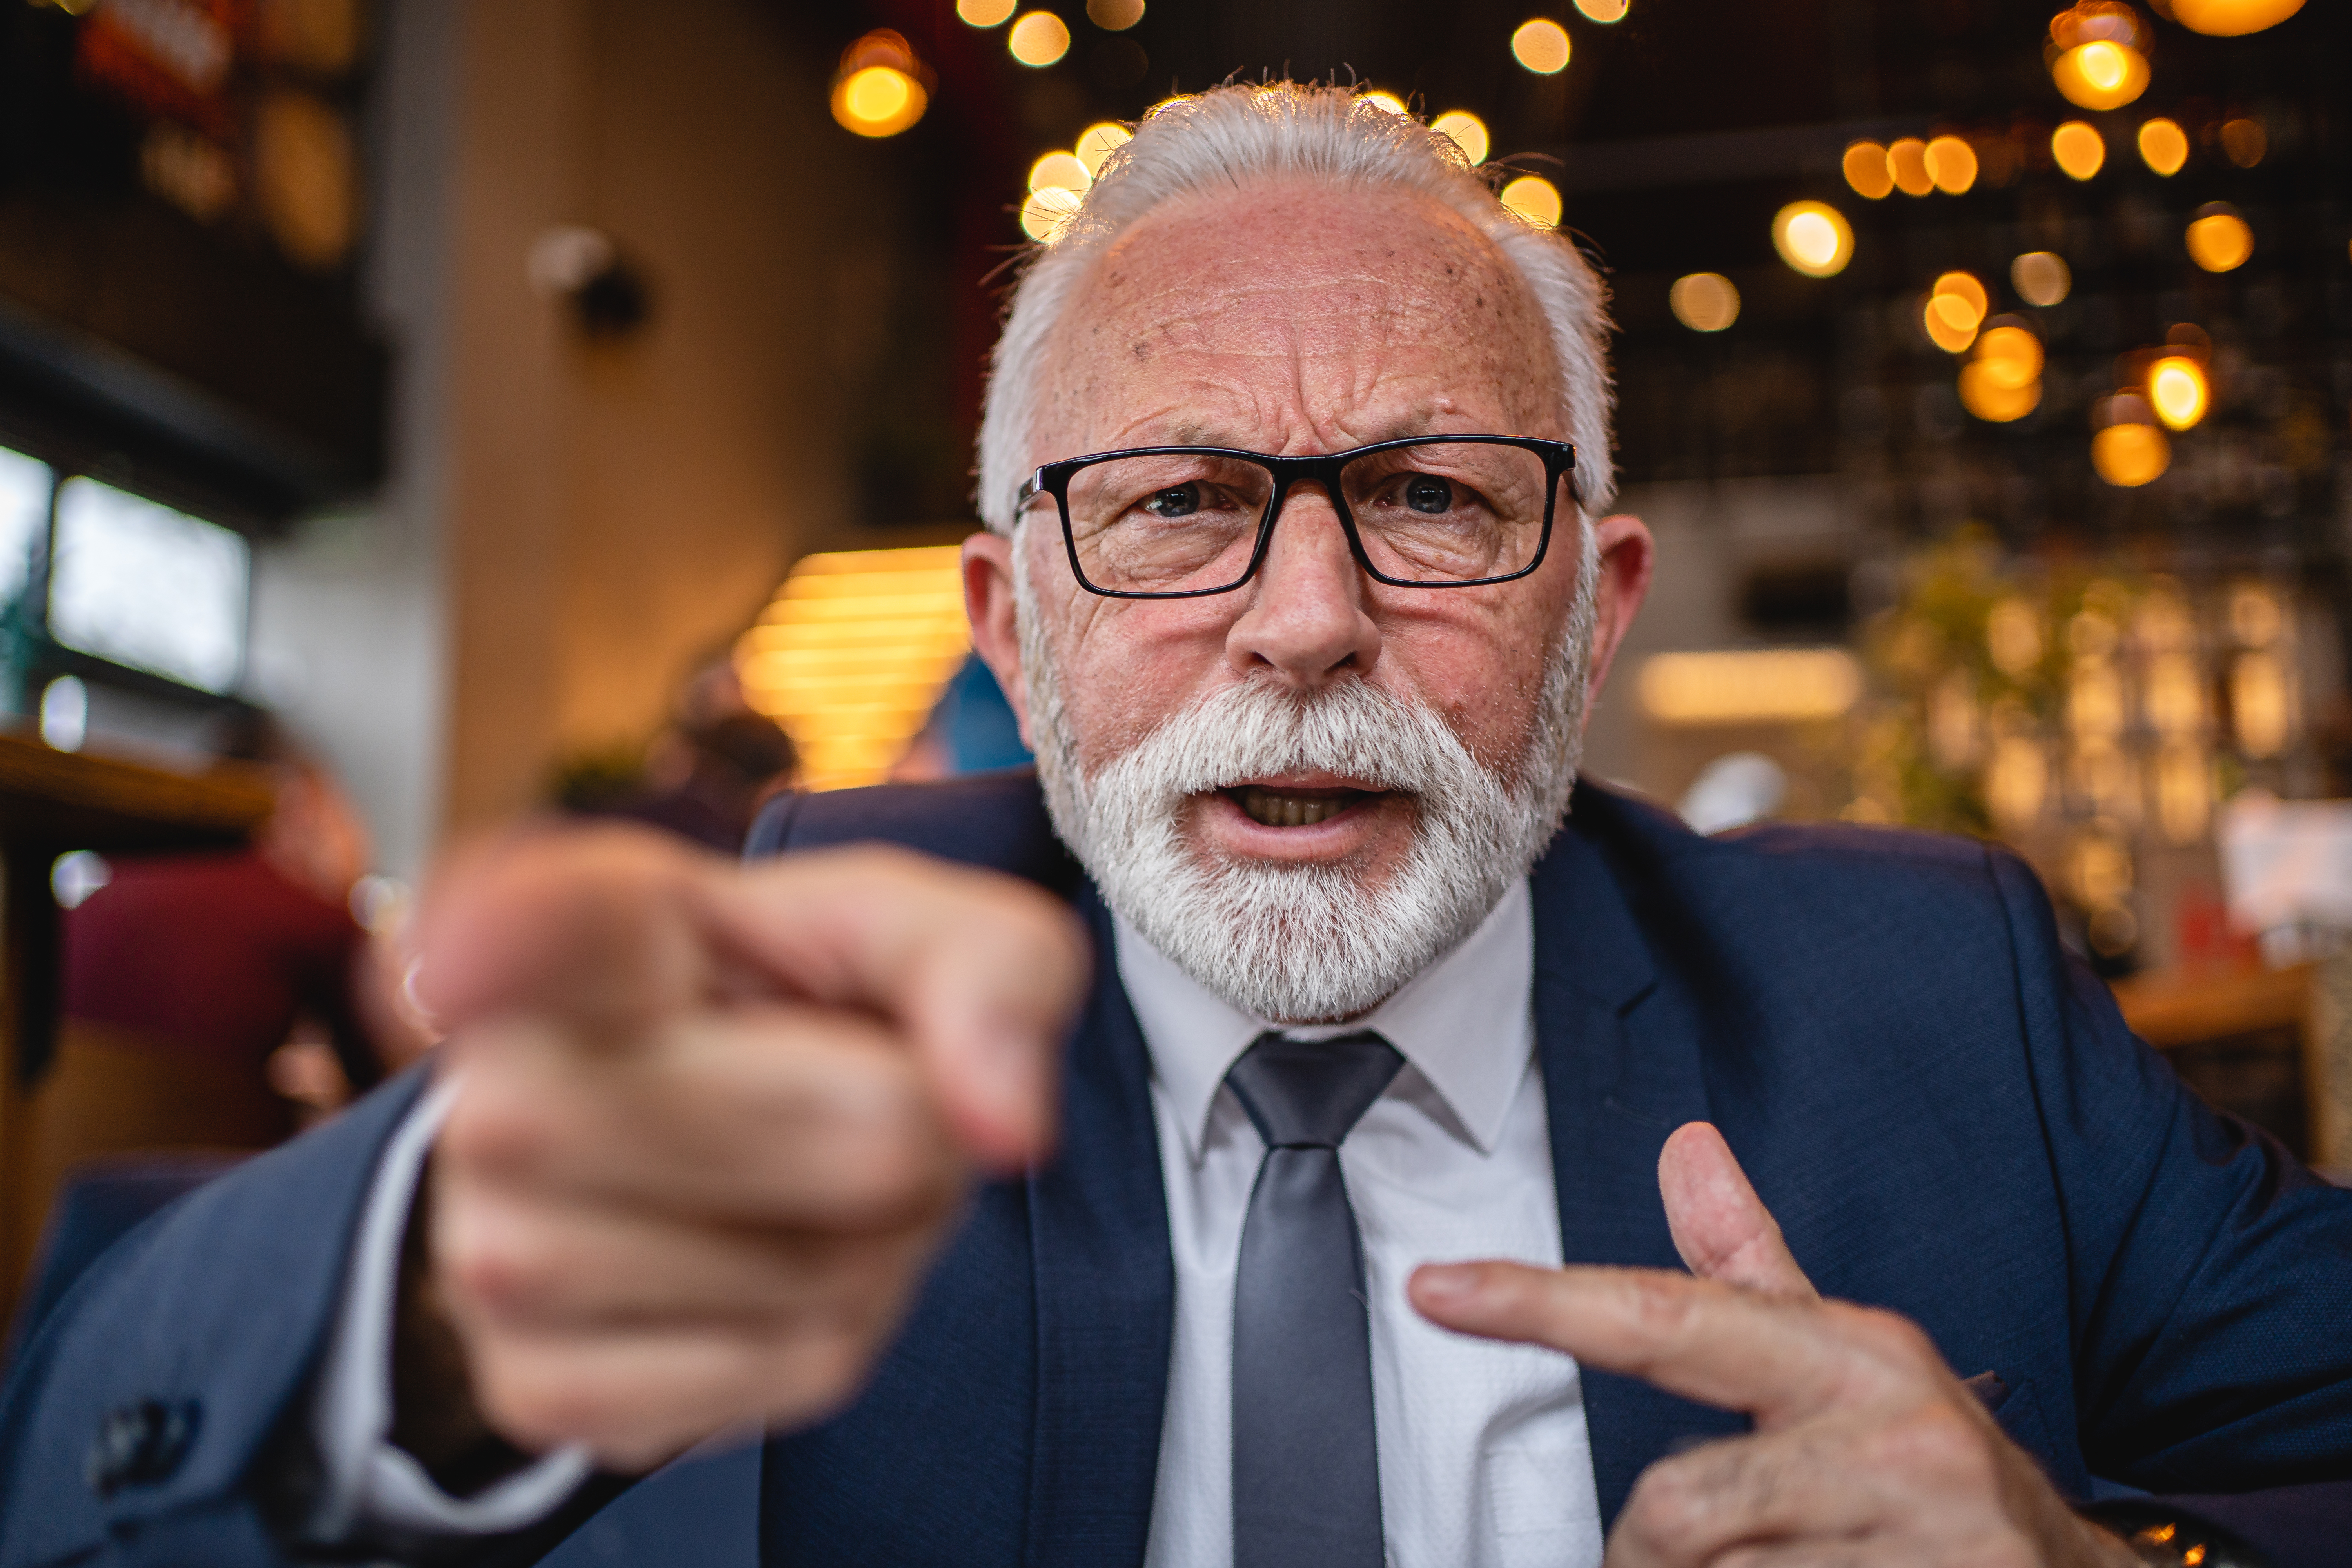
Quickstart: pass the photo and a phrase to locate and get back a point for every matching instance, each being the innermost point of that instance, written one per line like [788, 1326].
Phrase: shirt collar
[1466, 1023]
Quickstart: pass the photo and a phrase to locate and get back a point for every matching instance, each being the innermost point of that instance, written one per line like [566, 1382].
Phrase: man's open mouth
[1294, 808]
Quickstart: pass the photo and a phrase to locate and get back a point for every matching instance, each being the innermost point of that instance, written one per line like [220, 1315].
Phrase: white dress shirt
[1484, 1459]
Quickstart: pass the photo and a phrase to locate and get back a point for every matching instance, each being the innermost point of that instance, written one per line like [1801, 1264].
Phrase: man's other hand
[1867, 1449]
[712, 1121]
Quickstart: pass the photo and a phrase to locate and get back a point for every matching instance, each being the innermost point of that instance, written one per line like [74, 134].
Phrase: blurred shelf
[71, 800]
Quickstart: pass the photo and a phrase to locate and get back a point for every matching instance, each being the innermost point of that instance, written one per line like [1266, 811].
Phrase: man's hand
[1866, 1448]
[713, 1121]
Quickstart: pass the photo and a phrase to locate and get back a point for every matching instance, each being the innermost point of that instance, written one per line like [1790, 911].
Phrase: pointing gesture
[1866, 1447]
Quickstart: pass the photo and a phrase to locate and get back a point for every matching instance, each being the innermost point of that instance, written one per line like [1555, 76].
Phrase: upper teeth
[1278, 808]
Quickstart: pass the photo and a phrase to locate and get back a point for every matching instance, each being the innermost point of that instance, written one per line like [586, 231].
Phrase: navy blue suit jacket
[1948, 1117]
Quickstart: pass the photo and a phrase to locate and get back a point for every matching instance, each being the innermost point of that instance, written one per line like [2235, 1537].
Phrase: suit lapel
[1621, 1071]
[1106, 1293]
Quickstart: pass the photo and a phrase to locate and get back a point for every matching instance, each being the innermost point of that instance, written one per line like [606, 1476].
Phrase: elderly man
[1374, 1208]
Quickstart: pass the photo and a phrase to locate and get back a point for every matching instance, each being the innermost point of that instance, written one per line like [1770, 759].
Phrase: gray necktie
[1306, 1472]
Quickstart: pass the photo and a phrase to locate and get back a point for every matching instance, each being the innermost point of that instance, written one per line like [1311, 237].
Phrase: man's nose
[1305, 623]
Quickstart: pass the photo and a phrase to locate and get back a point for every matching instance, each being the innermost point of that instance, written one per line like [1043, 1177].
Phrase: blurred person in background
[211, 998]
[707, 772]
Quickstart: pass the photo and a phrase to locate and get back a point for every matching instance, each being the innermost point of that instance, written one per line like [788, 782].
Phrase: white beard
[1292, 943]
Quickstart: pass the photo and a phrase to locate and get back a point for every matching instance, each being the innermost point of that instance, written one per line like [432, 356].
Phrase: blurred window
[139, 583]
[25, 485]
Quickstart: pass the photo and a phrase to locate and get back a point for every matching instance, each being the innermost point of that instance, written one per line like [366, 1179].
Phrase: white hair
[1231, 135]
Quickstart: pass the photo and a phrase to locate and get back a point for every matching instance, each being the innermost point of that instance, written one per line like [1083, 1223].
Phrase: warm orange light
[1097, 143]
[2041, 277]
[1955, 307]
[880, 101]
[1866, 171]
[2218, 239]
[1963, 288]
[1387, 101]
[1066, 171]
[2130, 452]
[1465, 131]
[1704, 302]
[986, 13]
[2011, 357]
[1983, 394]
[1114, 15]
[1602, 11]
[1749, 686]
[2233, 18]
[2177, 391]
[2163, 146]
[1812, 237]
[2078, 149]
[1535, 199]
[1038, 38]
[1906, 162]
[1541, 45]
[1046, 211]
[1951, 164]
[2100, 74]
[2244, 140]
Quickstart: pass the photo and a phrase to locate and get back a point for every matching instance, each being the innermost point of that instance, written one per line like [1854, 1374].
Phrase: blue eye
[1424, 493]
[1179, 500]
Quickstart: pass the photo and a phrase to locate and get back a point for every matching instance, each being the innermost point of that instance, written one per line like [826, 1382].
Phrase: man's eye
[1178, 501]
[1422, 493]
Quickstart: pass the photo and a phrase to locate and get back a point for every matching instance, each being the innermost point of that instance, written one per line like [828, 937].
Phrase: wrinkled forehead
[1293, 314]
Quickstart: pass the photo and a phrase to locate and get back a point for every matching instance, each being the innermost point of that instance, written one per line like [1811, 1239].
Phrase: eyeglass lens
[1446, 512]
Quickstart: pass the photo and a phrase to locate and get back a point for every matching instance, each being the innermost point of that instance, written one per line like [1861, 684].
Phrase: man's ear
[987, 600]
[1627, 553]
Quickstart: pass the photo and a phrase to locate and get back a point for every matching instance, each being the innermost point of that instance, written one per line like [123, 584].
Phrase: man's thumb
[1721, 1228]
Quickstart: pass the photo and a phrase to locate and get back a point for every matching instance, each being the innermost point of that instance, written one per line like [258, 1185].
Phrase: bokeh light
[1097, 143]
[880, 101]
[1384, 101]
[1983, 395]
[2041, 277]
[2244, 140]
[2177, 391]
[2010, 356]
[1534, 198]
[1038, 38]
[1046, 211]
[2126, 448]
[1906, 160]
[1955, 309]
[2078, 148]
[2100, 74]
[1064, 169]
[1867, 170]
[2233, 18]
[1812, 237]
[1952, 164]
[986, 13]
[1602, 11]
[1466, 131]
[1114, 15]
[2218, 239]
[1704, 302]
[2163, 145]
[1541, 45]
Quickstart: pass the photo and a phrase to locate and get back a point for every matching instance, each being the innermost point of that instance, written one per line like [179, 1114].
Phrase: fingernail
[1447, 1281]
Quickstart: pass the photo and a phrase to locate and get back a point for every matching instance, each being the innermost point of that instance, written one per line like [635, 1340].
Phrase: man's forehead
[1306, 292]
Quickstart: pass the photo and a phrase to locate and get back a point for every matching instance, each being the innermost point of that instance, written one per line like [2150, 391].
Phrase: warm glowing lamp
[1097, 143]
[1951, 164]
[986, 13]
[1814, 238]
[2041, 277]
[2177, 391]
[2233, 18]
[878, 89]
[2163, 145]
[2100, 74]
[1541, 45]
[1038, 38]
[1465, 131]
[1535, 199]
[1866, 171]
[2010, 356]
[1906, 162]
[2078, 148]
[2127, 449]
[1982, 394]
[1704, 302]
[2218, 239]
[1602, 11]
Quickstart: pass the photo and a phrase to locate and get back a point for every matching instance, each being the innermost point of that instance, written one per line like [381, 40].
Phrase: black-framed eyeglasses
[1429, 511]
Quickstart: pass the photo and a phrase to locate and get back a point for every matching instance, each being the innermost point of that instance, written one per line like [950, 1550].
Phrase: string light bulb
[1814, 238]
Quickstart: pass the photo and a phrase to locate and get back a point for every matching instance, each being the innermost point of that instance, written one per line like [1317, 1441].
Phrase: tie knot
[1307, 1094]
